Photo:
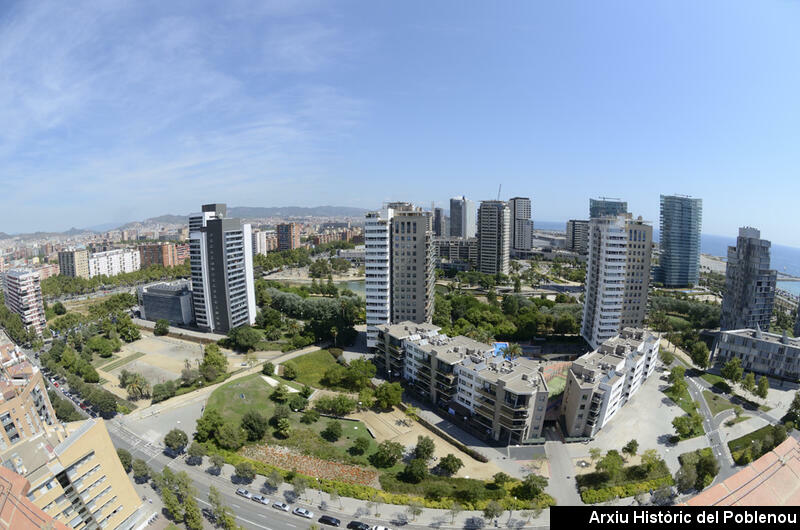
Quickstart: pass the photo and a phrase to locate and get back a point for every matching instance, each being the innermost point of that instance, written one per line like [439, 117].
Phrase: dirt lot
[396, 427]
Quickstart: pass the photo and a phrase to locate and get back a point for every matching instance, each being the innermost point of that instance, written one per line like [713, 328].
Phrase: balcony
[486, 392]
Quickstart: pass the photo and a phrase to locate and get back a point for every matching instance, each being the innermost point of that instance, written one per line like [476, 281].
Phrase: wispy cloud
[129, 108]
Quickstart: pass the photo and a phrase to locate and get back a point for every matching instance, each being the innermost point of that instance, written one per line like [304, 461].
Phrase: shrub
[333, 431]
[161, 327]
[309, 416]
[289, 371]
[268, 369]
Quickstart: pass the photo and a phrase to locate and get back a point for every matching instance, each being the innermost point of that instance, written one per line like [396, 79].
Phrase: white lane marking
[241, 518]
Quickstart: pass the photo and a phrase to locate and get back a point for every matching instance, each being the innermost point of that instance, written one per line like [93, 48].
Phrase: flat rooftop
[764, 336]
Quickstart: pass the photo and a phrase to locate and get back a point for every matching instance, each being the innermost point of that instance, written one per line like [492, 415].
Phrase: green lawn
[766, 435]
[98, 361]
[311, 367]
[678, 323]
[121, 362]
[556, 385]
[683, 400]
[717, 382]
[734, 421]
[716, 402]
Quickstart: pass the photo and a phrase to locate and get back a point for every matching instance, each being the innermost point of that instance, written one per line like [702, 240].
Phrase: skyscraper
[605, 207]
[681, 218]
[521, 224]
[399, 266]
[749, 283]
[463, 218]
[578, 236]
[438, 222]
[221, 256]
[23, 296]
[288, 236]
[494, 237]
[617, 276]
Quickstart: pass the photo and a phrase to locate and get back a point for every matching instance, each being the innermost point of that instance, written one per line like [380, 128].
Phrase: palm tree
[138, 387]
[512, 350]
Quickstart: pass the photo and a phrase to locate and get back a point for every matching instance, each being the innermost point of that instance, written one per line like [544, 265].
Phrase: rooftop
[764, 336]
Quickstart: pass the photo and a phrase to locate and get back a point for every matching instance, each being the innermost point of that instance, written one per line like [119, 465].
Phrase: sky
[119, 111]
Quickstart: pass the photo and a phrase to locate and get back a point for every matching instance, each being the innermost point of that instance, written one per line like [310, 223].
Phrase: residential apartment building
[25, 409]
[521, 223]
[288, 236]
[577, 236]
[170, 301]
[463, 217]
[494, 237]
[23, 296]
[76, 477]
[501, 400]
[48, 270]
[377, 271]
[439, 223]
[74, 263]
[413, 263]
[221, 251]
[113, 262]
[599, 383]
[16, 511]
[163, 254]
[606, 207]
[617, 276]
[456, 253]
[681, 220]
[749, 283]
[181, 252]
[760, 352]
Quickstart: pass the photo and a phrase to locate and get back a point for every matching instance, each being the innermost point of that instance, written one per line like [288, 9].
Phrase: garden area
[613, 479]
[691, 424]
[697, 471]
[752, 446]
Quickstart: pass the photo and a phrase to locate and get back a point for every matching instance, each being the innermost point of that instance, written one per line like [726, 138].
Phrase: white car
[244, 493]
[302, 512]
[260, 499]
[281, 506]
[378, 527]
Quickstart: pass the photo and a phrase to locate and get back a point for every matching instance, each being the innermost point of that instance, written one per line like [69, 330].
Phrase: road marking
[240, 518]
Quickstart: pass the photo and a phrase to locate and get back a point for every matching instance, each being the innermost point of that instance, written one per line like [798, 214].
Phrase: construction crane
[498, 191]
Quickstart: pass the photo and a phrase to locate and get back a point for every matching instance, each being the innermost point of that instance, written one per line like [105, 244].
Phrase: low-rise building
[170, 301]
[113, 262]
[760, 352]
[602, 381]
[456, 252]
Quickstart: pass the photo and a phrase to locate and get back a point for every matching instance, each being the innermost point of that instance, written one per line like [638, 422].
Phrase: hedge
[593, 496]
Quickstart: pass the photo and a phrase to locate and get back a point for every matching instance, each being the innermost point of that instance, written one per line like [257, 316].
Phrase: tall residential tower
[681, 218]
[521, 224]
[23, 296]
[463, 217]
[494, 237]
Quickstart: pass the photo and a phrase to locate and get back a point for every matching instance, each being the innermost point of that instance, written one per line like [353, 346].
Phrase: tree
[732, 370]
[125, 459]
[299, 485]
[284, 427]
[763, 387]
[666, 357]
[688, 424]
[631, 448]
[749, 382]
[289, 371]
[676, 374]
[359, 374]
[416, 470]
[245, 471]
[699, 354]
[176, 440]
[412, 413]
[273, 480]
[309, 416]
[595, 454]
[333, 431]
[208, 425]
[59, 309]
[493, 510]
[387, 454]
[141, 471]
[214, 362]
[306, 391]
[222, 513]
[244, 338]
[533, 485]
[217, 461]
[450, 464]
[512, 350]
[414, 509]
[196, 452]
[255, 425]
[360, 446]
[388, 395]
[611, 464]
[268, 369]
[161, 327]
[137, 387]
[280, 394]
[230, 436]
[425, 448]
[686, 478]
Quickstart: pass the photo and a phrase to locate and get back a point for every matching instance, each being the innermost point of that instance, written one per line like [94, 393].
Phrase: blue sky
[113, 111]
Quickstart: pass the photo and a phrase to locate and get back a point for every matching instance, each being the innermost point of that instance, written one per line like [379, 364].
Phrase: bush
[333, 431]
[161, 327]
[289, 371]
[268, 369]
[309, 416]
[594, 496]
[360, 446]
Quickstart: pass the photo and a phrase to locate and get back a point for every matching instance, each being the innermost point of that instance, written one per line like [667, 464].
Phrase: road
[711, 425]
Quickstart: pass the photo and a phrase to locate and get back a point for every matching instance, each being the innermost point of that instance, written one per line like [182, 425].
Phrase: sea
[783, 259]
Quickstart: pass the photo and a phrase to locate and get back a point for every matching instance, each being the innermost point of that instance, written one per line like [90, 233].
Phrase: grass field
[311, 367]
[99, 362]
[716, 402]
[683, 400]
[556, 385]
[764, 434]
[121, 362]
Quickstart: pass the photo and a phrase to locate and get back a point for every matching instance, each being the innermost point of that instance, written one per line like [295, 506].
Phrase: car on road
[281, 506]
[358, 525]
[260, 499]
[379, 527]
[244, 493]
[327, 519]
[302, 512]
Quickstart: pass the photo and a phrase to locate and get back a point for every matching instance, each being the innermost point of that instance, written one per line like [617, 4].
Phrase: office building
[577, 236]
[456, 253]
[463, 217]
[749, 283]
[617, 276]
[438, 222]
[113, 262]
[521, 224]
[601, 382]
[498, 399]
[288, 236]
[23, 296]
[221, 257]
[605, 207]
[76, 477]
[170, 301]
[494, 237]
[681, 219]
[74, 263]
[760, 352]
[163, 254]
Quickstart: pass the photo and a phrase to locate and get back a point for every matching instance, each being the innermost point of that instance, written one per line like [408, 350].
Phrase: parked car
[244, 493]
[281, 506]
[379, 527]
[358, 525]
[332, 521]
[261, 499]
[302, 512]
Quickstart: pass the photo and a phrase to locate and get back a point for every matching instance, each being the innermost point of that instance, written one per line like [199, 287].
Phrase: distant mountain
[3, 235]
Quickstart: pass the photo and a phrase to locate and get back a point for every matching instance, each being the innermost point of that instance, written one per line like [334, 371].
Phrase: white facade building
[377, 268]
[259, 242]
[23, 296]
[521, 223]
[113, 262]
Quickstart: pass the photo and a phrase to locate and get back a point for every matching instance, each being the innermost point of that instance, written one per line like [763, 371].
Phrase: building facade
[681, 220]
[288, 236]
[599, 383]
[439, 223]
[413, 264]
[521, 223]
[164, 254]
[749, 283]
[577, 236]
[113, 262]
[494, 237]
[463, 217]
[605, 207]
[760, 352]
[23, 296]
[637, 272]
[377, 271]
[74, 263]
[221, 251]
[456, 253]
[170, 301]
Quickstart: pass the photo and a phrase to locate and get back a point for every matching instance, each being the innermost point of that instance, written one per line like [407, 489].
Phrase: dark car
[327, 519]
[358, 525]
